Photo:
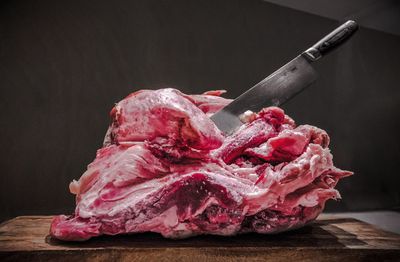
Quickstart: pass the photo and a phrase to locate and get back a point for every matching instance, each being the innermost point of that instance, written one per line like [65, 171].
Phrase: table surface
[384, 219]
[330, 238]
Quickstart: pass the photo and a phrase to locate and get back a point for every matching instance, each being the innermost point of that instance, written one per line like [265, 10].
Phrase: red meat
[165, 167]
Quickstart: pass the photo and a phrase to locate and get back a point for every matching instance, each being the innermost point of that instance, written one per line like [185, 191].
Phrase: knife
[284, 83]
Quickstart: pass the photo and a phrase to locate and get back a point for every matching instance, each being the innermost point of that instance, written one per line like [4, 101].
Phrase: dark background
[64, 63]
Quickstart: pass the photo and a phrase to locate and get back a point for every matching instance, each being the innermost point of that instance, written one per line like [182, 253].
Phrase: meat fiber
[166, 168]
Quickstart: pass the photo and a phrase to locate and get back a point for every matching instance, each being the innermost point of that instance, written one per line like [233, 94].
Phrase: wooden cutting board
[328, 239]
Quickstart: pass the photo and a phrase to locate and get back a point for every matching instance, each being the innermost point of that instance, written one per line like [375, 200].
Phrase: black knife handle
[331, 41]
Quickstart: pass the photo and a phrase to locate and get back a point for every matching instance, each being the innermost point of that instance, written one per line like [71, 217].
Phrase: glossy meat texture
[165, 167]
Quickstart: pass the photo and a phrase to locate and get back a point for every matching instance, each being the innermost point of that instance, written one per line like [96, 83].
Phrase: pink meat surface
[166, 168]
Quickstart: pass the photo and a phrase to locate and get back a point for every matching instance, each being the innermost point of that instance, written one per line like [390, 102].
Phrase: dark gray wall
[64, 63]
[382, 15]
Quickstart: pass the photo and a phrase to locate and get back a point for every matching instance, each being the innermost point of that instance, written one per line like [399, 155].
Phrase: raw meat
[165, 167]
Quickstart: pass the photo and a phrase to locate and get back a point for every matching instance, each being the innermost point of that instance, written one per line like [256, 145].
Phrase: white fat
[246, 116]
[181, 227]
[228, 231]
[129, 199]
[74, 187]
[245, 209]
[170, 217]
[253, 177]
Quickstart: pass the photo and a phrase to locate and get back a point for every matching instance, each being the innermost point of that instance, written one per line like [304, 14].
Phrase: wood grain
[328, 239]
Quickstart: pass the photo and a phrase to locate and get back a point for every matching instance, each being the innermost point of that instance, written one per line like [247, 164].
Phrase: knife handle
[331, 41]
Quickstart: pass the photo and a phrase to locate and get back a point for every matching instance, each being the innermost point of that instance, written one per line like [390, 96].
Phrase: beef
[166, 168]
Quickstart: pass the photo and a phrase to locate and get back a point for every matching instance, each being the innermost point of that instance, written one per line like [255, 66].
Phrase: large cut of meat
[165, 167]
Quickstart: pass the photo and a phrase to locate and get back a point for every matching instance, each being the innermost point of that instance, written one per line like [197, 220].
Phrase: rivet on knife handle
[331, 41]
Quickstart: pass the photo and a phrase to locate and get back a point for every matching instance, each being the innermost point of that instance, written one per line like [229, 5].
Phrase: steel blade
[274, 90]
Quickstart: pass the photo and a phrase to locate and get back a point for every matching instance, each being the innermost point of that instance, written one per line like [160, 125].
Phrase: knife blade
[284, 83]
